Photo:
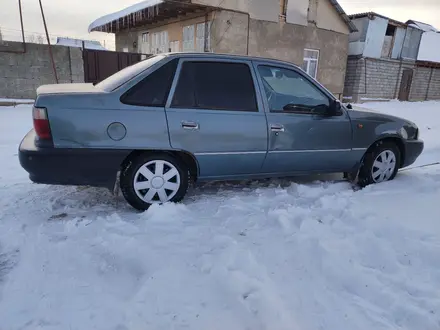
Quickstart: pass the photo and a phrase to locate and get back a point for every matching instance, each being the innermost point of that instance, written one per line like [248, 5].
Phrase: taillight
[41, 123]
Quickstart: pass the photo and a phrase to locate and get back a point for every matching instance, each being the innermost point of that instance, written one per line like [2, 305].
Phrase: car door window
[153, 90]
[215, 86]
[289, 91]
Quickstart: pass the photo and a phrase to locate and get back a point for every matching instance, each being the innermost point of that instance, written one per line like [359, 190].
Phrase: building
[78, 43]
[310, 33]
[389, 59]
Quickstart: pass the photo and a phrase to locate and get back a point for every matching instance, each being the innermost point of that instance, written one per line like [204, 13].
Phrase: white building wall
[398, 43]
[297, 12]
[266, 10]
[375, 37]
[429, 46]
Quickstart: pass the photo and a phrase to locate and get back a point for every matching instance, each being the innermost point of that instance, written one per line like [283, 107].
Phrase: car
[154, 128]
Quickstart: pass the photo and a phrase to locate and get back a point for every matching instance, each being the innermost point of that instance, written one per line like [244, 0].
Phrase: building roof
[147, 9]
[123, 13]
[88, 44]
[373, 14]
[422, 26]
[412, 23]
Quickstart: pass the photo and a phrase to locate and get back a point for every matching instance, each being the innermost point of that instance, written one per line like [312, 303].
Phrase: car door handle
[190, 125]
[277, 128]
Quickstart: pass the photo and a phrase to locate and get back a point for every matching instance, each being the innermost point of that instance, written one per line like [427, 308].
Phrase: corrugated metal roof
[372, 13]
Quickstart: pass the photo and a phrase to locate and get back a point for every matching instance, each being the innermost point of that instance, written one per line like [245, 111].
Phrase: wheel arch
[184, 156]
[389, 138]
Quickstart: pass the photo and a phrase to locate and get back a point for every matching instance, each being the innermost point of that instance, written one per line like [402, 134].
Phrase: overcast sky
[72, 17]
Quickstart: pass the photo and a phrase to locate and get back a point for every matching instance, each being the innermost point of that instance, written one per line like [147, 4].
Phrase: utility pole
[48, 43]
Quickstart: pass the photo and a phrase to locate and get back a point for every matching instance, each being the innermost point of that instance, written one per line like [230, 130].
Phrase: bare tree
[40, 39]
[1, 36]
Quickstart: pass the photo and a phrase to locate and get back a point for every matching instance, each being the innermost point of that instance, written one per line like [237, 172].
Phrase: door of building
[405, 84]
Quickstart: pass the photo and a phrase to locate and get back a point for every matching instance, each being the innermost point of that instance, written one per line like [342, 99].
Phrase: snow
[16, 100]
[124, 12]
[270, 254]
[88, 44]
[373, 99]
[68, 88]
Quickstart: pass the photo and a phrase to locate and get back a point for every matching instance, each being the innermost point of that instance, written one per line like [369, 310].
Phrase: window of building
[289, 91]
[310, 64]
[145, 43]
[159, 42]
[215, 86]
[175, 46]
[153, 90]
[388, 43]
[188, 38]
[200, 41]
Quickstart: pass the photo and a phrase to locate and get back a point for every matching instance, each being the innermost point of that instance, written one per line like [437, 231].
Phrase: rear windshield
[121, 77]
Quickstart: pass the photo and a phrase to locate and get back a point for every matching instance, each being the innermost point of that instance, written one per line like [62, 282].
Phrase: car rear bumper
[77, 166]
[413, 150]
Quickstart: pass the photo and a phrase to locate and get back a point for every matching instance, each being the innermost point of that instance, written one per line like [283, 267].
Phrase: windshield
[114, 81]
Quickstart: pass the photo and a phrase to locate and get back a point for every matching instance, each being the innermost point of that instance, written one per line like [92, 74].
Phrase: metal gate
[405, 84]
[100, 64]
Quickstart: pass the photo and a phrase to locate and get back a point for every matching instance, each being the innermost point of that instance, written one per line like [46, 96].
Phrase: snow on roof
[124, 12]
[422, 26]
[89, 44]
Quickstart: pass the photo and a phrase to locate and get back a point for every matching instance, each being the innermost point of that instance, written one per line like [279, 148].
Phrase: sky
[71, 18]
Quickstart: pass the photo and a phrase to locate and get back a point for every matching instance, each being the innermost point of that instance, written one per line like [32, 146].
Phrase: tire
[153, 178]
[387, 152]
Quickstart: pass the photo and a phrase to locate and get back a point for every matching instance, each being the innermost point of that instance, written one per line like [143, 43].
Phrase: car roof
[228, 56]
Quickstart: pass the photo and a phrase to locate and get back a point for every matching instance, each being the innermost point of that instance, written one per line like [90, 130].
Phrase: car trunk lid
[67, 89]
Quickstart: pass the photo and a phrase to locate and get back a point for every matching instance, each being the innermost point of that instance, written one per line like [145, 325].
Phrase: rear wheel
[154, 179]
[380, 164]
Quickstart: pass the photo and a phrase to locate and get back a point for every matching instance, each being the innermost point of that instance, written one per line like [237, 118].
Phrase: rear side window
[153, 90]
[215, 86]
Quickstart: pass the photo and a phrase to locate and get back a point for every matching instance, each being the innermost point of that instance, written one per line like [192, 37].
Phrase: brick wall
[420, 84]
[369, 79]
[434, 86]
[22, 73]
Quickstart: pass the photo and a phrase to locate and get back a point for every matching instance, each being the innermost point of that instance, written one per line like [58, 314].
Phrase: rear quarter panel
[82, 120]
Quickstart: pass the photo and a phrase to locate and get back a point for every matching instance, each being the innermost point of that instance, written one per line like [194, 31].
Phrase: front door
[301, 138]
[215, 113]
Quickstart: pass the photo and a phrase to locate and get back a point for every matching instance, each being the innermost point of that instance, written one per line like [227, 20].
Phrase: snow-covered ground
[17, 100]
[262, 255]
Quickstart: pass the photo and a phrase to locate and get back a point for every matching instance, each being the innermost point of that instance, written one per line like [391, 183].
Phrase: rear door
[215, 113]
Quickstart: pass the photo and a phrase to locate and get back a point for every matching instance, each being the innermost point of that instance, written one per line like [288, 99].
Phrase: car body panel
[87, 120]
[233, 143]
[83, 120]
[308, 143]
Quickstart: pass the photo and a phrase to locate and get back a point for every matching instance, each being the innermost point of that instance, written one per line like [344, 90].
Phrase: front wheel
[380, 164]
[154, 179]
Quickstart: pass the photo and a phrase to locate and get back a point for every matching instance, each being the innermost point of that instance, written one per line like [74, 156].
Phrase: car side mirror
[334, 108]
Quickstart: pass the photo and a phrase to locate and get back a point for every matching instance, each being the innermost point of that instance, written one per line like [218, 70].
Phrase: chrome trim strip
[230, 153]
[311, 150]
[274, 151]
